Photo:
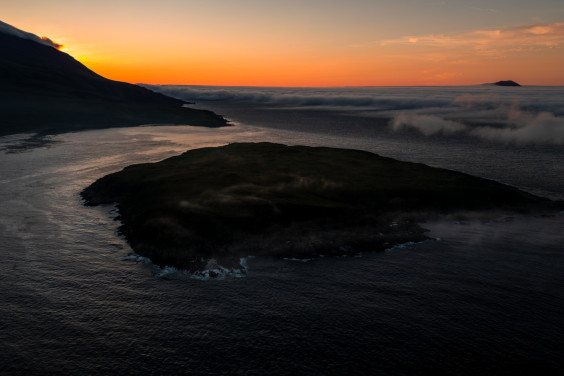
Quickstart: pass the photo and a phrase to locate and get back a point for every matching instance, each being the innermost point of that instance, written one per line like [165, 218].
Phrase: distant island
[42, 88]
[220, 204]
[506, 83]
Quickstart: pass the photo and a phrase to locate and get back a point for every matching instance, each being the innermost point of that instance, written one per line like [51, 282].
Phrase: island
[220, 204]
[506, 83]
[46, 90]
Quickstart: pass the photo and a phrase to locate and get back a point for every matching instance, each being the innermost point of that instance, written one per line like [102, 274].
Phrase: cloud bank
[10, 30]
[525, 128]
[448, 99]
[426, 124]
[520, 127]
[356, 97]
[528, 115]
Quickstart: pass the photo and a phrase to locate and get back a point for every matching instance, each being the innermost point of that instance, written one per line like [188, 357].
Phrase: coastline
[61, 115]
[299, 202]
[45, 90]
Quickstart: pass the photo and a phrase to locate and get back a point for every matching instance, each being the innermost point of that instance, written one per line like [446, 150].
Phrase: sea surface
[482, 296]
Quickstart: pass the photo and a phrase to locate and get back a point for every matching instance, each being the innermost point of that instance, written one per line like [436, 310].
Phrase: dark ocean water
[486, 296]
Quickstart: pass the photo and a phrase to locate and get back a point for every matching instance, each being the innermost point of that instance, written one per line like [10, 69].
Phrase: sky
[305, 42]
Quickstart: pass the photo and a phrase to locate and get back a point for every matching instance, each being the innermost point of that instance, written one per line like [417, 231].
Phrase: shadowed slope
[43, 88]
[276, 200]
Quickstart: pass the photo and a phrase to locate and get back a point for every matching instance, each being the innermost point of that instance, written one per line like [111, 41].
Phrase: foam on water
[402, 245]
[213, 270]
[135, 257]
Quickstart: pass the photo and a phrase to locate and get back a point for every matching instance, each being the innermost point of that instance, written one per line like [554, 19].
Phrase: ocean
[482, 296]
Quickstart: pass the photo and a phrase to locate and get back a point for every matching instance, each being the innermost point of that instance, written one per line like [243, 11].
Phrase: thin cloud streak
[524, 116]
[491, 41]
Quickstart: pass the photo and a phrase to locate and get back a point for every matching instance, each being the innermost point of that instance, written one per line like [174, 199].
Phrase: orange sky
[306, 43]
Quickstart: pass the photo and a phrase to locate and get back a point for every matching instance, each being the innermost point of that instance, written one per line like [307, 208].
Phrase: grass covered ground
[285, 201]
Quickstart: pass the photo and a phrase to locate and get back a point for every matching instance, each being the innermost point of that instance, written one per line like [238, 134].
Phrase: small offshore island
[213, 206]
[506, 83]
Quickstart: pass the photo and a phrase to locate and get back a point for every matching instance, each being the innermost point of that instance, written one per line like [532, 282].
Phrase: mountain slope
[43, 88]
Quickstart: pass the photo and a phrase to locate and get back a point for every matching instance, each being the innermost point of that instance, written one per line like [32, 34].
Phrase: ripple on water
[487, 297]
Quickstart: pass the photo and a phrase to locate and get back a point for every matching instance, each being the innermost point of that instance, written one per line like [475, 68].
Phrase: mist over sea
[483, 296]
[511, 134]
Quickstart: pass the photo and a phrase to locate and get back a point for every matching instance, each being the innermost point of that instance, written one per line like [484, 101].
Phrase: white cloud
[9, 29]
[526, 128]
[517, 127]
[426, 124]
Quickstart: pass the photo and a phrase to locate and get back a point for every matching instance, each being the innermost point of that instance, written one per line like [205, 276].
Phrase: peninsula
[266, 199]
[44, 89]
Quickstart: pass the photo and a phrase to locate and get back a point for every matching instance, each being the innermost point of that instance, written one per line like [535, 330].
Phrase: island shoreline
[265, 199]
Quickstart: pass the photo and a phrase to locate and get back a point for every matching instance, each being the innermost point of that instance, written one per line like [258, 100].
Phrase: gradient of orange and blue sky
[305, 42]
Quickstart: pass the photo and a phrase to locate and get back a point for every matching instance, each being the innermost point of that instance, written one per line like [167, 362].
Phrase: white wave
[166, 271]
[215, 271]
[135, 257]
[402, 245]
[219, 272]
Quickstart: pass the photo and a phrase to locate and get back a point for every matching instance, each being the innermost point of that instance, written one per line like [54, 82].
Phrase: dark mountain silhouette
[42, 88]
[506, 83]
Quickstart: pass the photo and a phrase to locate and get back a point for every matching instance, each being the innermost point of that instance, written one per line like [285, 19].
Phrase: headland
[47, 91]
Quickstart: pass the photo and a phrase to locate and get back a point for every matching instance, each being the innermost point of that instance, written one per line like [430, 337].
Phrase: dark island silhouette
[42, 88]
[216, 205]
[506, 83]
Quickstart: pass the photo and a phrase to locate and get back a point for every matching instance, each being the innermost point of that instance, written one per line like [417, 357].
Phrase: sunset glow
[329, 43]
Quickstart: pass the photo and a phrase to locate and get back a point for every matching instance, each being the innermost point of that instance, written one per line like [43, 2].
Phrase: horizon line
[341, 86]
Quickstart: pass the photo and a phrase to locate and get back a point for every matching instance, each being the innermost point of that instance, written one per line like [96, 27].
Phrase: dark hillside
[42, 88]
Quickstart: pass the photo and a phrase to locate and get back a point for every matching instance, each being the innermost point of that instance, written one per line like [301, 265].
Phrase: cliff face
[42, 87]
